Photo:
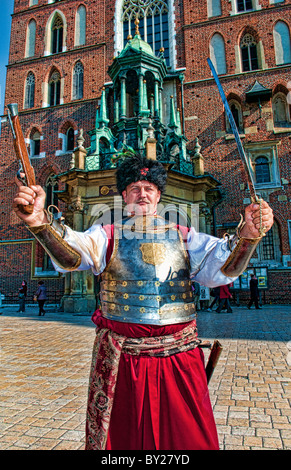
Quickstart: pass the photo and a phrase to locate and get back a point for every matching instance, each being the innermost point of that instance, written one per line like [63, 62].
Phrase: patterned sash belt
[107, 349]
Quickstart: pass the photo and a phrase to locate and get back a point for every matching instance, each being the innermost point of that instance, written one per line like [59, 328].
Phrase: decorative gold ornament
[153, 253]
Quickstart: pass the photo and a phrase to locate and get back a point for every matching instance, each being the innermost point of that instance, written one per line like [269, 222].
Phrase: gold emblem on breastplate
[153, 253]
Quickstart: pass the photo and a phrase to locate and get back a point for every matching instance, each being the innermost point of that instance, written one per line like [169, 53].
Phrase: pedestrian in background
[214, 293]
[41, 297]
[224, 296]
[196, 294]
[254, 289]
[22, 293]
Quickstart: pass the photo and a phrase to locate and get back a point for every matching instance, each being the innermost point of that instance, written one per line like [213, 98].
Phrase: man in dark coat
[254, 292]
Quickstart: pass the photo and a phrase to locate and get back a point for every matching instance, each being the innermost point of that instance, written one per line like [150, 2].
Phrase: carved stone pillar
[78, 297]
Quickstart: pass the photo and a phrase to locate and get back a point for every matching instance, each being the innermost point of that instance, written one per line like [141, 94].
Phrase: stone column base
[79, 304]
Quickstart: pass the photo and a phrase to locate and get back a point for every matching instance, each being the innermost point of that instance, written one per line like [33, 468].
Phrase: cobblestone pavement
[44, 371]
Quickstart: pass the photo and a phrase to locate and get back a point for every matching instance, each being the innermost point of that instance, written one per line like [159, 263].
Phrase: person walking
[224, 296]
[196, 294]
[41, 297]
[214, 293]
[22, 293]
[254, 289]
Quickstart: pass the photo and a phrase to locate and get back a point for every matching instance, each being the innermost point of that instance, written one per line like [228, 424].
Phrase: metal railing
[11, 298]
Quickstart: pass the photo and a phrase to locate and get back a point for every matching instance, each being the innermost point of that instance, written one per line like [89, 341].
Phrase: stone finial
[78, 157]
[151, 143]
[197, 159]
[197, 148]
[80, 139]
[151, 130]
[137, 33]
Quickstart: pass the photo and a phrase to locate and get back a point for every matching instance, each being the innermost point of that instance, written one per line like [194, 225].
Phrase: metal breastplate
[147, 279]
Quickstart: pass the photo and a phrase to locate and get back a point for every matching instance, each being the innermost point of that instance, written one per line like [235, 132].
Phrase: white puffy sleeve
[92, 246]
[207, 255]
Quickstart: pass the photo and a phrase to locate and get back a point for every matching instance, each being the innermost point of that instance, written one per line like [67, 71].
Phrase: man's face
[141, 198]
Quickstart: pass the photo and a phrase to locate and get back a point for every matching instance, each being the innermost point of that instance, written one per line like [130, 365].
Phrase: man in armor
[148, 387]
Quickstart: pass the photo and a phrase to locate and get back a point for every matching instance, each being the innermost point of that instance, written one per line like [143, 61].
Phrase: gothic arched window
[267, 249]
[80, 26]
[57, 35]
[249, 53]
[281, 110]
[236, 110]
[217, 53]
[78, 81]
[35, 144]
[282, 43]
[214, 8]
[70, 139]
[51, 188]
[29, 91]
[55, 89]
[153, 23]
[30, 39]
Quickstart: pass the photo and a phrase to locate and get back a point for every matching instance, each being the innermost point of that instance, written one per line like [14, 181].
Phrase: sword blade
[250, 180]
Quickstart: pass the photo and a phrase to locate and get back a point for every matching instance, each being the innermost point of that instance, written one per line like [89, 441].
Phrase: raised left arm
[258, 220]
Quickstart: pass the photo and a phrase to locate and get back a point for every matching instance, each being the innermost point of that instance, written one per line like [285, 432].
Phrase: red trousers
[160, 403]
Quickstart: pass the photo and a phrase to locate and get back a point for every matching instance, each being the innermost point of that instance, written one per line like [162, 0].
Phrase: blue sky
[6, 9]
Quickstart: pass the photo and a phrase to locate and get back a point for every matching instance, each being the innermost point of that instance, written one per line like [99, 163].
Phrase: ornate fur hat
[133, 167]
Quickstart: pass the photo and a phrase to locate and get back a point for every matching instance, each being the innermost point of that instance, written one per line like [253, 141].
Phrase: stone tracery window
[249, 53]
[153, 26]
[281, 110]
[55, 89]
[51, 188]
[57, 35]
[78, 81]
[29, 91]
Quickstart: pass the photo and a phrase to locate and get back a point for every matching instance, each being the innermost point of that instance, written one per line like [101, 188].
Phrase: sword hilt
[262, 229]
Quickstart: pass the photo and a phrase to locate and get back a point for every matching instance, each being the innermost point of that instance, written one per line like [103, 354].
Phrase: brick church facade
[67, 62]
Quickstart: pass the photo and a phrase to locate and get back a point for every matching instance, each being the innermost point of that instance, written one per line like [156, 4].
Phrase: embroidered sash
[107, 349]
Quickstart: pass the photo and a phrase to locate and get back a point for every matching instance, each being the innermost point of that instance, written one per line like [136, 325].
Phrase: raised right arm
[69, 250]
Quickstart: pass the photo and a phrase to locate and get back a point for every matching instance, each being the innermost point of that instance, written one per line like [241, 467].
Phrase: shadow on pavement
[271, 323]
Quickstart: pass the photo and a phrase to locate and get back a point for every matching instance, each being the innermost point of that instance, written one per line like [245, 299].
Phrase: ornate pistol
[21, 150]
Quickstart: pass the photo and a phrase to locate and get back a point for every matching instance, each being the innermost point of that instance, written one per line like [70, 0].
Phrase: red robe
[160, 403]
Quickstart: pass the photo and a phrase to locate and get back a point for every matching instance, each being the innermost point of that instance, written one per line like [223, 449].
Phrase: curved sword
[251, 183]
